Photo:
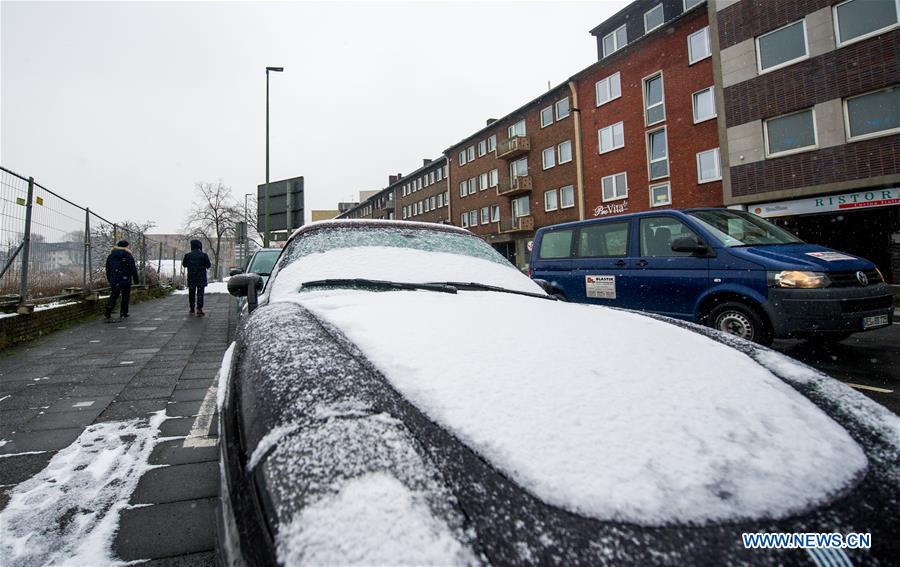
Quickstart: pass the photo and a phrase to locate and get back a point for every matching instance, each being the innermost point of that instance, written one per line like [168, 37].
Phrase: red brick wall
[665, 50]
[426, 192]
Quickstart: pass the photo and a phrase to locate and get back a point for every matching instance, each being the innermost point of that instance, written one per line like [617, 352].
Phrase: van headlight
[799, 280]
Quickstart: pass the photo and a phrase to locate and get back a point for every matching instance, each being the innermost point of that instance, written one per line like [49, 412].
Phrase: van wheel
[740, 320]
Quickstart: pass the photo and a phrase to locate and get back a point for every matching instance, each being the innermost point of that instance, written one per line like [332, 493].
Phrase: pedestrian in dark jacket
[120, 272]
[197, 262]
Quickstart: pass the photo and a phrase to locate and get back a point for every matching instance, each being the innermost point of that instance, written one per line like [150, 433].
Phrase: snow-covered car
[401, 394]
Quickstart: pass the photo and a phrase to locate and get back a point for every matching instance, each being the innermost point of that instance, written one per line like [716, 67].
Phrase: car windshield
[263, 262]
[737, 228]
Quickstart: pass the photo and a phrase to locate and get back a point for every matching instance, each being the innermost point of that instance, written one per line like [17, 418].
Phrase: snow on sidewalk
[214, 287]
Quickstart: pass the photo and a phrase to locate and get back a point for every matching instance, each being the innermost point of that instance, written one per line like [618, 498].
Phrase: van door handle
[621, 263]
[642, 263]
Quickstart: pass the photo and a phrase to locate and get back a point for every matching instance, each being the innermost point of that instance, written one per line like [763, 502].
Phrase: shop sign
[603, 210]
[828, 203]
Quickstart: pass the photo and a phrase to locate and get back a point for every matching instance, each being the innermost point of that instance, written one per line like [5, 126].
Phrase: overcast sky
[123, 106]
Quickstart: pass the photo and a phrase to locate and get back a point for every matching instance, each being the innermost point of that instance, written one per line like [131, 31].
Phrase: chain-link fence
[50, 246]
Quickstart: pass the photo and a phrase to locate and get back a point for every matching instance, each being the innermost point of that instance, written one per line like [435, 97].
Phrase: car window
[737, 228]
[263, 262]
[657, 234]
[556, 244]
[603, 240]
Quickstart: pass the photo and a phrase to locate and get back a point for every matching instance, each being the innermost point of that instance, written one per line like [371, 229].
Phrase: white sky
[123, 106]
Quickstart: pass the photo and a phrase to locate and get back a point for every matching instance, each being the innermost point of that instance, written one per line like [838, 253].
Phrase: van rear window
[557, 244]
[603, 240]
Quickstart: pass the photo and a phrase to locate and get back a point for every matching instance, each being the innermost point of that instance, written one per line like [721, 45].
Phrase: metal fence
[50, 246]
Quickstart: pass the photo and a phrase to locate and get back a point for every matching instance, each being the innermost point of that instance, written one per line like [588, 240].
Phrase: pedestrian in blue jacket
[197, 262]
[120, 272]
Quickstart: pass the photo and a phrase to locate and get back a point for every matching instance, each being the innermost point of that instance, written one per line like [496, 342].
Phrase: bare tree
[212, 217]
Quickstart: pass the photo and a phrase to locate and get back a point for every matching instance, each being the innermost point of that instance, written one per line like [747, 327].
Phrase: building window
[660, 195]
[420, 207]
[704, 105]
[708, 167]
[518, 168]
[462, 158]
[791, 133]
[517, 129]
[653, 99]
[438, 174]
[547, 116]
[608, 89]
[494, 177]
[483, 181]
[482, 148]
[562, 108]
[470, 153]
[425, 205]
[464, 220]
[614, 41]
[698, 46]
[550, 200]
[485, 215]
[462, 189]
[564, 152]
[549, 157]
[472, 186]
[440, 200]
[615, 186]
[855, 20]
[446, 171]
[873, 114]
[658, 154]
[688, 4]
[567, 197]
[653, 18]
[492, 142]
[473, 218]
[781, 47]
[433, 201]
[521, 207]
[495, 213]
[612, 137]
[431, 178]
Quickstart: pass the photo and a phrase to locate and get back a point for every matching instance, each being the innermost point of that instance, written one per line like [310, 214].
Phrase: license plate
[875, 321]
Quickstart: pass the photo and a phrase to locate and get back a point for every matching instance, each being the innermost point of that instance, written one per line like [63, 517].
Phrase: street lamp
[266, 197]
[247, 230]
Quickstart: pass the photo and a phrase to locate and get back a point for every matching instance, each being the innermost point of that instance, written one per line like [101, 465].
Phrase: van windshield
[737, 228]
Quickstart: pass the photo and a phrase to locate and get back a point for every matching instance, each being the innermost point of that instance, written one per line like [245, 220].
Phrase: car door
[666, 281]
[554, 260]
[602, 263]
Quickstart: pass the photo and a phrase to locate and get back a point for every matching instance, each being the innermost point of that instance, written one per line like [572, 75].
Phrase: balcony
[519, 224]
[515, 186]
[388, 205]
[513, 147]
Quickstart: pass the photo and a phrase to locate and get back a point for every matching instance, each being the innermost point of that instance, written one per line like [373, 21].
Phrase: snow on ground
[372, 520]
[213, 287]
[68, 513]
[398, 265]
[582, 421]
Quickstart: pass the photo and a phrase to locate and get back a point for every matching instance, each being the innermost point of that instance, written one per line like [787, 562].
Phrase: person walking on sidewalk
[197, 262]
[120, 272]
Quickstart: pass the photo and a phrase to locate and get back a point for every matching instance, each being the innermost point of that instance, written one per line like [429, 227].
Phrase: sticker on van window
[600, 287]
[830, 256]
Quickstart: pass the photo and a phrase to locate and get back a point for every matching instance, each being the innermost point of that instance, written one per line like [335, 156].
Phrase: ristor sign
[827, 203]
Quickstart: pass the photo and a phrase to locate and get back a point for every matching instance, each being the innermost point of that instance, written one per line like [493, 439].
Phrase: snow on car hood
[398, 265]
[604, 413]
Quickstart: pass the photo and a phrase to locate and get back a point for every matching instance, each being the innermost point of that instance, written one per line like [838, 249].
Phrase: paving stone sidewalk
[159, 358]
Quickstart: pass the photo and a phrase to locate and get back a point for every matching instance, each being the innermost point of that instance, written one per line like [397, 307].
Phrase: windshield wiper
[485, 287]
[379, 284]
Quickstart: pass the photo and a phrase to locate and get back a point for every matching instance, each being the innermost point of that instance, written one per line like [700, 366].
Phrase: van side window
[657, 234]
[603, 240]
[556, 244]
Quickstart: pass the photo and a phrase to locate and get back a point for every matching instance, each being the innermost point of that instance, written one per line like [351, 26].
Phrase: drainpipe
[579, 165]
[449, 190]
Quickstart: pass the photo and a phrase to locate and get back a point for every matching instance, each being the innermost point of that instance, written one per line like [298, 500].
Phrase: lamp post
[247, 230]
[266, 197]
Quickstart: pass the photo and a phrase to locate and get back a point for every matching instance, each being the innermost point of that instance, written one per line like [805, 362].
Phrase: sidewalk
[159, 359]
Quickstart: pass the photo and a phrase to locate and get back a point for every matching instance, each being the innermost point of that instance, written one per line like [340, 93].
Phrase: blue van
[724, 268]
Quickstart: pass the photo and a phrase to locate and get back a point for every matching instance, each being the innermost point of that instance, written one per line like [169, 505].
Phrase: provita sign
[829, 203]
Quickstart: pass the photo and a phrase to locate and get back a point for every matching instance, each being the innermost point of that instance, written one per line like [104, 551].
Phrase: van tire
[739, 319]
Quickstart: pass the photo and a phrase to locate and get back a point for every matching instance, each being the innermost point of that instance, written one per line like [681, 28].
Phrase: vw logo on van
[861, 277]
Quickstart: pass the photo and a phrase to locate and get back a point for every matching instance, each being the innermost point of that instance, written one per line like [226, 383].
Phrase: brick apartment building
[647, 111]
[517, 173]
[378, 204]
[810, 119]
[423, 195]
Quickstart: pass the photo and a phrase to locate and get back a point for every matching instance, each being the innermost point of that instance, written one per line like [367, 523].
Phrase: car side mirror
[235, 271]
[689, 244]
[246, 285]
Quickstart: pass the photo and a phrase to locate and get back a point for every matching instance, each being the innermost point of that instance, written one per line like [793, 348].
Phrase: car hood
[605, 413]
[810, 257]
